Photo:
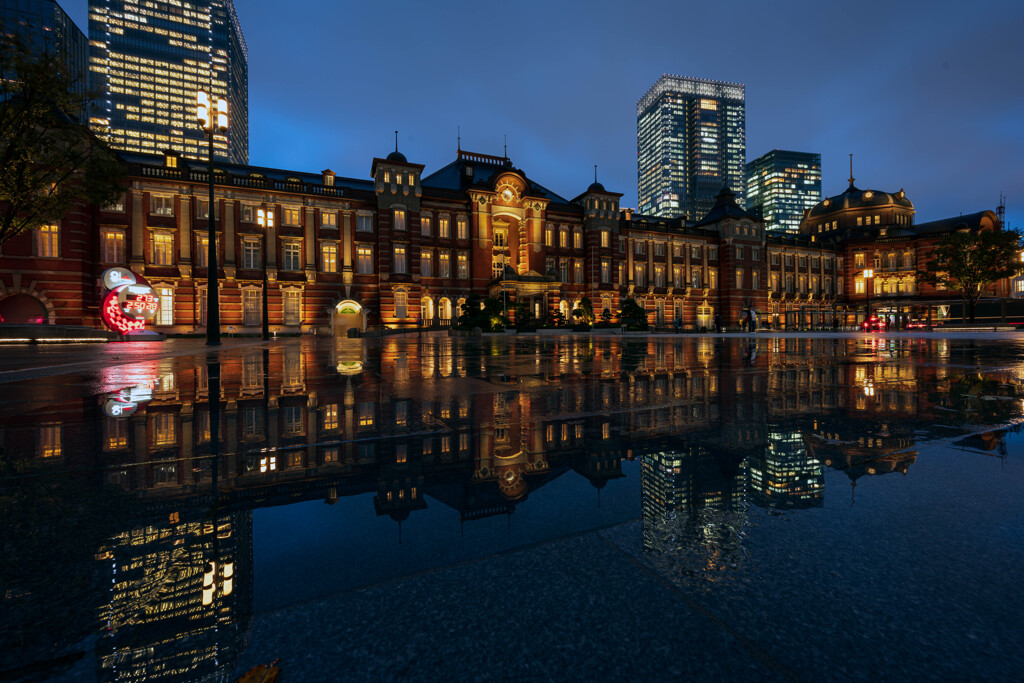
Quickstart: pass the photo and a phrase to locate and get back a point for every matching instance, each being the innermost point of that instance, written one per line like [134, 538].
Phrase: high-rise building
[149, 60]
[690, 139]
[44, 26]
[781, 185]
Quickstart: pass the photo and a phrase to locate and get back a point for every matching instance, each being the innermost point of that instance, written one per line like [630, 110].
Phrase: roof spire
[851, 171]
[459, 146]
[595, 173]
[506, 145]
[396, 140]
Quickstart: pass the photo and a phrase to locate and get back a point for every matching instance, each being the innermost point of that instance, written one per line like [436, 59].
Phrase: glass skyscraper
[148, 59]
[45, 26]
[780, 185]
[690, 138]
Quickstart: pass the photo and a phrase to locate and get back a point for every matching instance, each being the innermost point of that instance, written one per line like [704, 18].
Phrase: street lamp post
[868, 274]
[266, 221]
[205, 116]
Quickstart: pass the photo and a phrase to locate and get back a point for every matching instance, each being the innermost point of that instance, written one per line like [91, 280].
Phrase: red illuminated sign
[129, 303]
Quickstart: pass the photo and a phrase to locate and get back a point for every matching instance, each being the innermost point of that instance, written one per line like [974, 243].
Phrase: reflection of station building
[864, 449]
[785, 475]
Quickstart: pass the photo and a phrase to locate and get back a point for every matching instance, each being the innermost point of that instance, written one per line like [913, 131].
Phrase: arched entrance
[427, 311]
[22, 308]
[444, 310]
[705, 314]
[347, 315]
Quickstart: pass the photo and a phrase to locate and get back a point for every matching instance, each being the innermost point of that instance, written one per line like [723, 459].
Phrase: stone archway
[21, 308]
[426, 310]
[347, 315]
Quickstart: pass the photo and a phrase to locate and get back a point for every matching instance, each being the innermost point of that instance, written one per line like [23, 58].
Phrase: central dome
[855, 198]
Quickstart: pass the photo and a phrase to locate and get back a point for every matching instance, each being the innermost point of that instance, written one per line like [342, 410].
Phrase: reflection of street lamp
[868, 274]
[266, 221]
[204, 115]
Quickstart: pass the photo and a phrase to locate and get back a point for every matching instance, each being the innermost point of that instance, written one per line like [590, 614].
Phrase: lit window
[444, 265]
[162, 206]
[290, 216]
[549, 236]
[329, 258]
[577, 238]
[251, 311]
[50, 443]
[292, 307]
[606, 239]
[739, 278]
[463, 266]
[426, 263]
[444, 227]
[165, 314]
[425, 226]
[462, 228]
[364, 259]
[399, 219]
[48, 241]
[330, 417]
[400, 263]
[248, 213]
[163, 249]
[563, 237]
[113, 247]
[328, 219]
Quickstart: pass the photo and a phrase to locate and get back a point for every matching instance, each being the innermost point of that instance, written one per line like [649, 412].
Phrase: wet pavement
[424, 508]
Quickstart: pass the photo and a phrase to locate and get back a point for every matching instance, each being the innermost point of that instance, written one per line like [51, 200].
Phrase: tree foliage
[483, 313]
[584, 312]
[49, 161]
[969, 263]
[633, 315]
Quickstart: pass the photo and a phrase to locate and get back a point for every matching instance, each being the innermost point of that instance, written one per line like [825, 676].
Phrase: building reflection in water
[476, 426]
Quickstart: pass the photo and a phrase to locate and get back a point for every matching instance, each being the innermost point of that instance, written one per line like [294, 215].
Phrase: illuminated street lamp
[205, 116]
[266, 221]
[868, 274]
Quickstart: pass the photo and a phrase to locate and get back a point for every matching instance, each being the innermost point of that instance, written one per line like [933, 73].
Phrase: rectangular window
[292, 256]
[549, 236]
[858, 261]
[250, 255]
[251, 311]
[739, 252]
[858, 286]
[328, 219]
[577, 271]
[444, 264]
[563, 237]
[695, 254]
[290, 215]
[640, 275]
[48, 241]
[329, 258]
[202, 251]
[622, 274]
[500, 237]
[364, 223]
[248, 213]
[659, 248]
[426, 263]
[329, 420]
[606, 271]
[577, 238]
[739, 278]
[400, 263]
[113, 247]
[165, 314]
[292, 307]
[399, 219]
[755, 279]
[444, 227]
[606, 239]
[677, 276]
[639, 247]
[364, 259]
[712, 253]
[161, 206]
[203, 209]
[755, 253]
[695, 280]
[659, 276]
[462, 228]
[116, 205]
[563, 268]
[713, 278]
[425, 227]
[163, 249]
[463, 265]
[401, 304]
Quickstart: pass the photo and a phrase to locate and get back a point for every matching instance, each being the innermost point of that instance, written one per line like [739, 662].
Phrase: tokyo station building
[402, 249]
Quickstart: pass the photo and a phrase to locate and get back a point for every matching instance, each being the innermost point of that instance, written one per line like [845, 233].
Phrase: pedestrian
[753, 320]
[679, 324]
[718, 322]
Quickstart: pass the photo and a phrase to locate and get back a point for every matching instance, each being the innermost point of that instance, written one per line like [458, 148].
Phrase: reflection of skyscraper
[785, 476]
[180, 599]
[694, 507]
[780, 185]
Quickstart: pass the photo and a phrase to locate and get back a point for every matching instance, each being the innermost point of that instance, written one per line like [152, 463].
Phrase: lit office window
[48, 241]
[364, 259]
[329, 258]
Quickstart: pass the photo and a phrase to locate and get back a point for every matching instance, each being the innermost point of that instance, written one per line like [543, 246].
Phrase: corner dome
[596, 187]
[855, 198]
[397, 156]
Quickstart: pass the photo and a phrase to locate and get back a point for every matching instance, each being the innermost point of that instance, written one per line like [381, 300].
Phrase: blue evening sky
[927, 95]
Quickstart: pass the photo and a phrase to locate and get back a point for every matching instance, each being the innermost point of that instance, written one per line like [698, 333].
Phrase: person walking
[718, 322]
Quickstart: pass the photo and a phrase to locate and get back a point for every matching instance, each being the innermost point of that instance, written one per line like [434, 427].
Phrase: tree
[483, 313]
[49, 161]
[606, 316]
[585, 311]
[969, 263]
[633, 315]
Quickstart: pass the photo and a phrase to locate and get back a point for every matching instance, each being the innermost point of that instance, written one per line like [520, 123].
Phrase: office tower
[149, 60]
[44, 26]
[780, 185]
[690, 138]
